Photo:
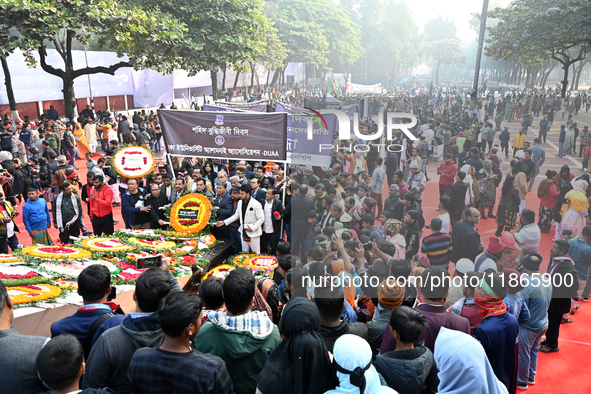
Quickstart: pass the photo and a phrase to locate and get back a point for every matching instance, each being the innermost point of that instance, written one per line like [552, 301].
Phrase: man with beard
[158, 204]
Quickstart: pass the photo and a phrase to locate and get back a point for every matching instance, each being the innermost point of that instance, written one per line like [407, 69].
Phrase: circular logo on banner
[190, 213]
[219, 140]
[133, 161]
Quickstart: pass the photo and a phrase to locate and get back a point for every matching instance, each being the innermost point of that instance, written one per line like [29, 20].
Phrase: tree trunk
[437, 74]
[268, 76]
[528, 70]
[581, 67]
[214, 84]
[275, 76]
[545, 78]
[224, 79]
[236, 81]
[565, 67]
[251, 77]
[9, 90]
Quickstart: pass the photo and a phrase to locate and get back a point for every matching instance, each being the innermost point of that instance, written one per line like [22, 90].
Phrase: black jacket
[569, 284]
[411, 234]
[465, 241]
[395, 207]
[510, 200]
[277, 206]
[529, 168]
[156, 213]
[300, 206]
[410, 372]
[457, 195]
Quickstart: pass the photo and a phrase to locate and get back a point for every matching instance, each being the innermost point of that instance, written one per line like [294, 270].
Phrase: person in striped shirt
[437, 246]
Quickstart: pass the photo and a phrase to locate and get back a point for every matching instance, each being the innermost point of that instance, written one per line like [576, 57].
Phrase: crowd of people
[369, 294]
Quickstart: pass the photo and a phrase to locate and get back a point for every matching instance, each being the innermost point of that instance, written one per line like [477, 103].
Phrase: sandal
[575, 309]
[566, 320]
[548, 349]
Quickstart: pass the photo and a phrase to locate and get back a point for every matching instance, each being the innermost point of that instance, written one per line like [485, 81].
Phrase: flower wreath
[26, 294]
[191, 202]
[106, 245]
[129, 272]
[66, 283]
[207, 241]
[19, 272]
[56, 252]
[7, 258]
[152, 243]
[133, 162]
[71, 270]
[239, 258]
[221, 271]
[268, 263]
[191, 259]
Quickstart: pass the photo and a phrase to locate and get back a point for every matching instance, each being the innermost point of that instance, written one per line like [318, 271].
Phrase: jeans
[529, 348]
[72, 152]
[287, 228]
[561, 148]
[235, 236]
[6, 242]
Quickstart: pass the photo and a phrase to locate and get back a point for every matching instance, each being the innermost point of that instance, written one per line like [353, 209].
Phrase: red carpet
[563, 371]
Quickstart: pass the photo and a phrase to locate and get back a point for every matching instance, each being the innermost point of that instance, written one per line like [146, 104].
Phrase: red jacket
[102, 205]
[449, 174]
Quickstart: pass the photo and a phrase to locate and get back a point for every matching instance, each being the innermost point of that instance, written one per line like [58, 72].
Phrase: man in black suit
[272, 224]
[258, 193]
[457, 195]
[159, 202]
[300, 206]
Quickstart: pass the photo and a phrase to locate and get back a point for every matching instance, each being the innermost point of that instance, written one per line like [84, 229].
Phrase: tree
[8, 43]
[221, 32]
[147, 36]
[533, 31]
[442, 45]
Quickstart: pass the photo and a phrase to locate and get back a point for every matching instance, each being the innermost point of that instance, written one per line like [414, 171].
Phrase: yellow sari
[82, 145]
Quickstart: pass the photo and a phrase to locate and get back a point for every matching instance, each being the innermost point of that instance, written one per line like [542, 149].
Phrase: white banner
[355, 88]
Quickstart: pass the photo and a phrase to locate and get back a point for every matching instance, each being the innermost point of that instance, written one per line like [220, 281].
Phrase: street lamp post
[480, 41]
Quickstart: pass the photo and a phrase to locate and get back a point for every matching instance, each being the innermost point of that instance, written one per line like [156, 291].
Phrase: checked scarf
[487, 301]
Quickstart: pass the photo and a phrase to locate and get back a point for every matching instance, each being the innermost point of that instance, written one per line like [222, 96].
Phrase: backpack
[5, 140]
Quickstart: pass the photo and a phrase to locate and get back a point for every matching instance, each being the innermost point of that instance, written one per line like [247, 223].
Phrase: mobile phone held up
[147, 262]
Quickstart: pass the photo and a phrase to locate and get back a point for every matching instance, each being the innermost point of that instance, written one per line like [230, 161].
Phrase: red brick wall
[59, 106]
[129, 102]
[100, 103]
[81, 104]
[117, 102]
[24, 109]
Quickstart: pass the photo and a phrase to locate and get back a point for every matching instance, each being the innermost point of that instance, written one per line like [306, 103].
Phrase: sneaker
[87, 233]
[492, 216]
[116, 204]
[483, 217]
[522, 386]
[116, 222]
[586, 298]
[531, 382]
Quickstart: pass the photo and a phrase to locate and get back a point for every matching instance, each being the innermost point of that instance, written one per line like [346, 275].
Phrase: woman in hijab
[270, 292]
[391, 229]
[564, 185]
[356, 374]
[300, 364]
[463, 365]
[548, 193]
[574, 211]
[569, 140]
[473, 193]
[508, 206]
[488, 189]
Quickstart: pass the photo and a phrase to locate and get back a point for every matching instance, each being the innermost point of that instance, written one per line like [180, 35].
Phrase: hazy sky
[458, 10]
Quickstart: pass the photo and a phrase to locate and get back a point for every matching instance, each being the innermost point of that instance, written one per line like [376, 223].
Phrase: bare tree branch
[101, 69]
[46, 67]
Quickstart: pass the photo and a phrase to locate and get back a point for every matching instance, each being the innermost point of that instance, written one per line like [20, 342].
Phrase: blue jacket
[562, 136]
[36, 215]
[128, 208]
[80, 322]
[226, 205]
[505, 136]
[26, 136]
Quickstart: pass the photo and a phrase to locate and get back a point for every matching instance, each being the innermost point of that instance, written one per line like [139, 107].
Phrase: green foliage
[318, 32]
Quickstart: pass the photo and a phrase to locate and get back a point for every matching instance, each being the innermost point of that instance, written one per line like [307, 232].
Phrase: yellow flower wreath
[133, 162]
[190, 202]
[56, 252]
[106, 245]
[32, 293]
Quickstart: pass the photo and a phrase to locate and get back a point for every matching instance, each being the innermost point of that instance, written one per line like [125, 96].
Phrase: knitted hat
[513, 280]
[390, 295]
[508, 240]
[531, 262]
[495, 148]
[379, 268]
[70, 173]
[495, 246]
[436, 224]
[414, 165]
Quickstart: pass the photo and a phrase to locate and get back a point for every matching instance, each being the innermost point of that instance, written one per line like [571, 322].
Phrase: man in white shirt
[273, 209]
[528, 234]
